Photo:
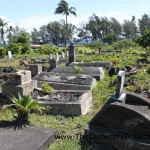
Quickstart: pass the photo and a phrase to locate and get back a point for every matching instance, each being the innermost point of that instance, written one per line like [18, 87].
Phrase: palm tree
[2, 25]
[64, 9]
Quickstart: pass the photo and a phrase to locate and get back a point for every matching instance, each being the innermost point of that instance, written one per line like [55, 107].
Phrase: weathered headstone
[9, 55]
[120, 84]
[35, 69]
[72, 53]
[62, 55]
[57, 56]
[67, 54]
[50, 56]
[54, 63]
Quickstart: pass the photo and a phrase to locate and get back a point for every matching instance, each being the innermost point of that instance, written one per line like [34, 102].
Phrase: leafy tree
[115, 26]
[2, 25]
[110, 38]
[14, 47]
[35, 36]
[64, 9]
[144, 40]
[129, 30]
[24, 37]
[43, 33]
[144, 23]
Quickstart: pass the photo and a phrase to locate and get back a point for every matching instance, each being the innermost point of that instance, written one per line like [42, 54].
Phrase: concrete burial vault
[96, 72]
[123, 122]
[26, 137]
[104, 64]
[80, 106]
[61, 81]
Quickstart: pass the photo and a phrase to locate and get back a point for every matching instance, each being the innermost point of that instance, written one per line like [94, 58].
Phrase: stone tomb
[25, 138]
[123, 122]
[61, 81]
[35, 69]
[96, 72]
[104, 64]
[19, 82]
[78, 106]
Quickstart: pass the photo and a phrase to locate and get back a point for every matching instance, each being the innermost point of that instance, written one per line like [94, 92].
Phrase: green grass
[67, 125]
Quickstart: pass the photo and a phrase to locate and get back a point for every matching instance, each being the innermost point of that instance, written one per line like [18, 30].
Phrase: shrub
[123, 44]
[148, 70]
[23, 105]
[2, 52]
[46, 89]
[80, 52]
[15, 48]
[25, 48]
[77, 69]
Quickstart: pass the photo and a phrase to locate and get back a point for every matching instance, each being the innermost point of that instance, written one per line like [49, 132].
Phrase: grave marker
[57, 57]
[50, 56]
[67, 54]
[120, 84]
[72, 53]
[9, 55]
[62, 55]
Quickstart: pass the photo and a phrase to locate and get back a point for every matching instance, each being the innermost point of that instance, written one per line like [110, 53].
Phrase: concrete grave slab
[104, 64]
[79, 107]
[96, 72]
[25, 138]
[61, 81]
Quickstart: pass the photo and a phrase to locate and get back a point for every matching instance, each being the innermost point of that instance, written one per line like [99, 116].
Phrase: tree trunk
[66, 31]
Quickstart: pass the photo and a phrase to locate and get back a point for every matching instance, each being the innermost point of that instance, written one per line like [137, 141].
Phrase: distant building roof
[35, 45]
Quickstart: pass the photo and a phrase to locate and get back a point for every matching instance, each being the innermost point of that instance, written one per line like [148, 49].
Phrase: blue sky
[30, 14]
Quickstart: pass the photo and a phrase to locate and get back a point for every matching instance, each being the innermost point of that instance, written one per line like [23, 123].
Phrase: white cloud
[37, 21]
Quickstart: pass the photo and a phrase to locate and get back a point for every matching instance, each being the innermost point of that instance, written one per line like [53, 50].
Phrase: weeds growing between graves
[71, 129]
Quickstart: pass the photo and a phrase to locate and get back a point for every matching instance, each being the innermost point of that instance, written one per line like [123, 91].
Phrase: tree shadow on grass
[14, 125]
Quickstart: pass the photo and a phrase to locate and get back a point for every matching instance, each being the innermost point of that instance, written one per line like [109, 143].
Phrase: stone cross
[57, 57]
[62, 55]
[9, 55]
[50, 56]
[72, 53]
[67, 54]
[120, 84]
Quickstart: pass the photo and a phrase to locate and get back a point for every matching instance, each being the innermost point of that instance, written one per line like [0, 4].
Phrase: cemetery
[68, 87]
[72, 94]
